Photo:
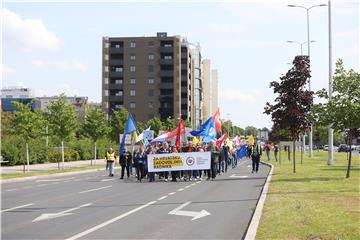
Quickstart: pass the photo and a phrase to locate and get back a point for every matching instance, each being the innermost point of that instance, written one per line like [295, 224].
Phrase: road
[94, 206]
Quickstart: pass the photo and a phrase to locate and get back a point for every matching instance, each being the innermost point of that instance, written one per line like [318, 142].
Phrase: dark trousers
[174, 175]
[140, 171]
[212, 171]
[164, 174]
[123, 171]
[255, 163]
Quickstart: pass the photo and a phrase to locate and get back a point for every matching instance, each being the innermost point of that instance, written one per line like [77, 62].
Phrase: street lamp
[308, 43]
[301, 44]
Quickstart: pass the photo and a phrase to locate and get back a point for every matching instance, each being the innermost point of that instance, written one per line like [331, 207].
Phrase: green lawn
[317, 202]
[45, 172]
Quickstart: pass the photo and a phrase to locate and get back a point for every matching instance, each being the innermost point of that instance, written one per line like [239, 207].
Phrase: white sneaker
[165, 180]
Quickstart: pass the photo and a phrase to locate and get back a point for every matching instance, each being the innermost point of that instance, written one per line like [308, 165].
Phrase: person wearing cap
[110, 161]
[255, 156]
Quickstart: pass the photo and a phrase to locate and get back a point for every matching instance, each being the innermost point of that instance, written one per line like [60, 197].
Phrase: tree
[95, 126]
[320, 135]
[250, 130]
[117, 123]
[155, 124]
[342, 111]
[169, 123]
[62, 121]
[292, 108]
[26, 124]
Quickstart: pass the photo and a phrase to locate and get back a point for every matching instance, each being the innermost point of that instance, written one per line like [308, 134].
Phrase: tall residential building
[149, 76]
[210, 89]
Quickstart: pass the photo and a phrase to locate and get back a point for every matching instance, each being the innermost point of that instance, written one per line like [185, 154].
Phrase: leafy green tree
[320, 135]
[292, 107]
[156, 125]
[342, 111]
[95, 126]
[26, 124]
[117, 123]
[169, 123]
[250, 130]
[62, 120]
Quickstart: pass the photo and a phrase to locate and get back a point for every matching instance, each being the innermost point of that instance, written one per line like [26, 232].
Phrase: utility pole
[330, 160]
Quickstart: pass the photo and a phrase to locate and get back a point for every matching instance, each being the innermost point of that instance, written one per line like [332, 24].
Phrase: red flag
[221, 139]
[181, 131]
[217, 120]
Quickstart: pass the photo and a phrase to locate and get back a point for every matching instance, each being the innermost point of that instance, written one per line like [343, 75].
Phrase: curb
[255, 220]
[21, 179]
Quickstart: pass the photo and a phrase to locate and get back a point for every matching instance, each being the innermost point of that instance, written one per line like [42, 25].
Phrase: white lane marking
[106, 180]
[67, 181]
[187, 186]
[77, 180]
[180, 189]
[54, 180]
[95, 189]
[55, 183]
[237, 176]
[93, 229]
[41, 185]
[193, 214]
[9, 209]
[172, 193]
[46, 216]
[162, 198]
[248, 165]
[12, 189]
[193, 184]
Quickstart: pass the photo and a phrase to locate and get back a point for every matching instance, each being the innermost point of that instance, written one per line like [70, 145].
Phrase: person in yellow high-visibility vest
[110, 161]
[255, 156]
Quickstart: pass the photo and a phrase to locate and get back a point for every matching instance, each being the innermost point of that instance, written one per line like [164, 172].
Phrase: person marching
[211, 173]
[255, 156]
[125, 160]
[276, 150]
[163, 150]
[110, 161]
[267, 150]
[139, 162]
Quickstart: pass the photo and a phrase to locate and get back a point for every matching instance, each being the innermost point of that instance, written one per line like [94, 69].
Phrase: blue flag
[242, 152]
[209, 132]
[203, 128]
[130, 126]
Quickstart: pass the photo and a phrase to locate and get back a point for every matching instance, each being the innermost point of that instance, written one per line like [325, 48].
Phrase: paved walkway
[49, 166]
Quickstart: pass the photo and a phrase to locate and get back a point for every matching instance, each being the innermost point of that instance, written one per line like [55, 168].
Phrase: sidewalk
[50, 166]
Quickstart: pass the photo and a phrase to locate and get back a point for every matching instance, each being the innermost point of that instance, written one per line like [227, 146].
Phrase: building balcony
[166, 61]
[166, 73]
[166, 98]
[114, 86]
[116, 50]
[116, 74]
[113, 98]
[116, 62]
[166, 49]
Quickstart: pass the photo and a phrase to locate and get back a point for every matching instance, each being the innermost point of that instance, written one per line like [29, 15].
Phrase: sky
[55, 47]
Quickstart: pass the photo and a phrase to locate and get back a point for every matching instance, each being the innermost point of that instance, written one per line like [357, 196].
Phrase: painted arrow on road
[237, 176]
[194, 215]
[47, 216]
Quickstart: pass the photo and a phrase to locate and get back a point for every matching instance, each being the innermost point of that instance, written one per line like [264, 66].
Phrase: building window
[106, 93]
[107, 45]
[151, 56]
[117, 106]
[151, 68]
[132, 69]
[117, 45]
[151, 93]
[119, 81]
[106, 80]
[132, 105]
[118, 69]
[167, 57]
[151, 105]
[133, 44]
[132, 81]
[132, 93]
[106, 56]
[132, 56]
[151, 44]
[119, 93]
[151, 81]
[106, 69]
[167, 45]
[106, 104]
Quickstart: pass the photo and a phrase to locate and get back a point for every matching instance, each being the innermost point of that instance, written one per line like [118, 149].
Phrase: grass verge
[46, 172]
[317, 202]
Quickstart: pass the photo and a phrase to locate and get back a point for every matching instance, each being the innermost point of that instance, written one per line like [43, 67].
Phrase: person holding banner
[125, 160]
[139, 162]
[151, 175]
[211, 173]
[162, 150]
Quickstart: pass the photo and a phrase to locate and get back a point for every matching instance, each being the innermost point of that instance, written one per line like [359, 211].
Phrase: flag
[177, 132]
[130, 127]
[240, 153]
[217, 120]
[162, 137]
[251, 140]
[221, 139]
[203, 128]
[195, 141]
[210, 133]
[141, 136]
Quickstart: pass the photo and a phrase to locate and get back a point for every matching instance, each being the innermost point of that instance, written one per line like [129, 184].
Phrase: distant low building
[9, 95]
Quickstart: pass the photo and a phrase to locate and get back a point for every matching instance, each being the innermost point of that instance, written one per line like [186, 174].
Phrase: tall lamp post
[301, 44]
[308, 43]
[330, 130]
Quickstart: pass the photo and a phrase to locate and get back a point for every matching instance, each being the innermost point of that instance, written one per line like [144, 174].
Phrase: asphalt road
[94, 206]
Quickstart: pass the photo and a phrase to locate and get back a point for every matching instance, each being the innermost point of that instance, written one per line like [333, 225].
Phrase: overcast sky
[56, 47]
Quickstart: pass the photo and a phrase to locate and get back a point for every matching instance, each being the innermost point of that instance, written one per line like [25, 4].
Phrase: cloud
[7, 71]
[70, 65]
[27, 34]
[237, 96]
